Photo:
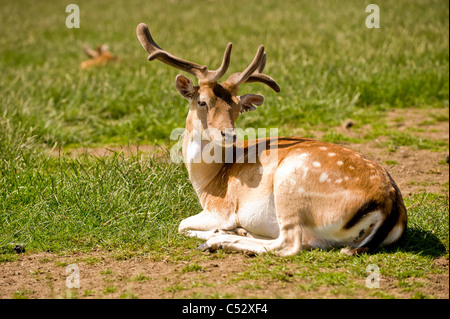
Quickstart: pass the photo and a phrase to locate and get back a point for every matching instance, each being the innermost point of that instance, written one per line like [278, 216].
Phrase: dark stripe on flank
[390, 221]
[385, 228]
[365, 209]
[387, 225]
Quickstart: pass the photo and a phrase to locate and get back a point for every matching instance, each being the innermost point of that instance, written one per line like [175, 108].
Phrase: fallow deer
[313, 194]
[101, 56]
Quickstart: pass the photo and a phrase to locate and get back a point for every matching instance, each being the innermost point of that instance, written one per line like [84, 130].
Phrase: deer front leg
[287, 244]
[206, 225]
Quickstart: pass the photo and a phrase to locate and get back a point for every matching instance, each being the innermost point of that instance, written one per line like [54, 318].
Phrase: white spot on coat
[340, 163]
[316, 164]
[331, 154]
[323, 177]
[289, 168]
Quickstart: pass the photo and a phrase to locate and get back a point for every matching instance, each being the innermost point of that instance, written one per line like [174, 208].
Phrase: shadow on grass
[419, 241]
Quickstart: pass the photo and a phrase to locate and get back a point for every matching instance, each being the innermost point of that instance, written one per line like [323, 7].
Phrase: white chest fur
[194, 151]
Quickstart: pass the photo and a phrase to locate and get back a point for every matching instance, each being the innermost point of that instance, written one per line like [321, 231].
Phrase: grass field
[330, 68]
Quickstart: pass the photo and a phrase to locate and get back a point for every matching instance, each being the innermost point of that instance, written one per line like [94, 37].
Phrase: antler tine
[214, 76]
[199, 71]
[145, 38]
[239, 78]
[262, 65]
[158, 53]
[258, 76]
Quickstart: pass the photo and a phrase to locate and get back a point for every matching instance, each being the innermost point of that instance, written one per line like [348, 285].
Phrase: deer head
[215, 105]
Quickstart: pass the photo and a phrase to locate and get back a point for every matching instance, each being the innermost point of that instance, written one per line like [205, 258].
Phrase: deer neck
[200, 167]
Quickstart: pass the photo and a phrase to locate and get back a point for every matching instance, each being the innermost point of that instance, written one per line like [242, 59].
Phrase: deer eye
[202, 104]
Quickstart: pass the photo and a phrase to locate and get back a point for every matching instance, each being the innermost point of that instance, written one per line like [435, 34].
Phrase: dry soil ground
[102, 275]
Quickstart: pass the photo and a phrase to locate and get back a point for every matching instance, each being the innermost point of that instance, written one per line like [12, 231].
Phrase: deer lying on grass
[313, 194]
[101, 56]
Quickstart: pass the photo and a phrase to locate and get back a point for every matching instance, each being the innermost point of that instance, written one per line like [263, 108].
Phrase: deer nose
[229, 135]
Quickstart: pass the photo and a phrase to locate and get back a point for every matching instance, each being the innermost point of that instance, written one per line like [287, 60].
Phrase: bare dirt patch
[43, 275]
[414, 170]
[428, 123]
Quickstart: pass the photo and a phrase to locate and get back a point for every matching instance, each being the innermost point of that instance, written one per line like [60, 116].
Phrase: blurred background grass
[329, 65]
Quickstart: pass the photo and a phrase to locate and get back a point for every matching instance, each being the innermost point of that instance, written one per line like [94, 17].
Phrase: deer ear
[246, 102]
[184, 87]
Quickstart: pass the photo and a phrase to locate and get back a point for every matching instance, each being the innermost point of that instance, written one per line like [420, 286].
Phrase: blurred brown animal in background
[101, 56]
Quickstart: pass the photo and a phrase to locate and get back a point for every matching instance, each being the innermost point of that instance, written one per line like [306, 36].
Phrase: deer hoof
[204, 247]
[355, 251]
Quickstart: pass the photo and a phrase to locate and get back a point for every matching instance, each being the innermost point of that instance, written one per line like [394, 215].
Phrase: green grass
[115, 202]
[329, 65]
[390, 162]
[22, 294]
[140, 277]
[330, 68]
[191, 268]
[128, 295]
[404, 139]
[110, 290]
